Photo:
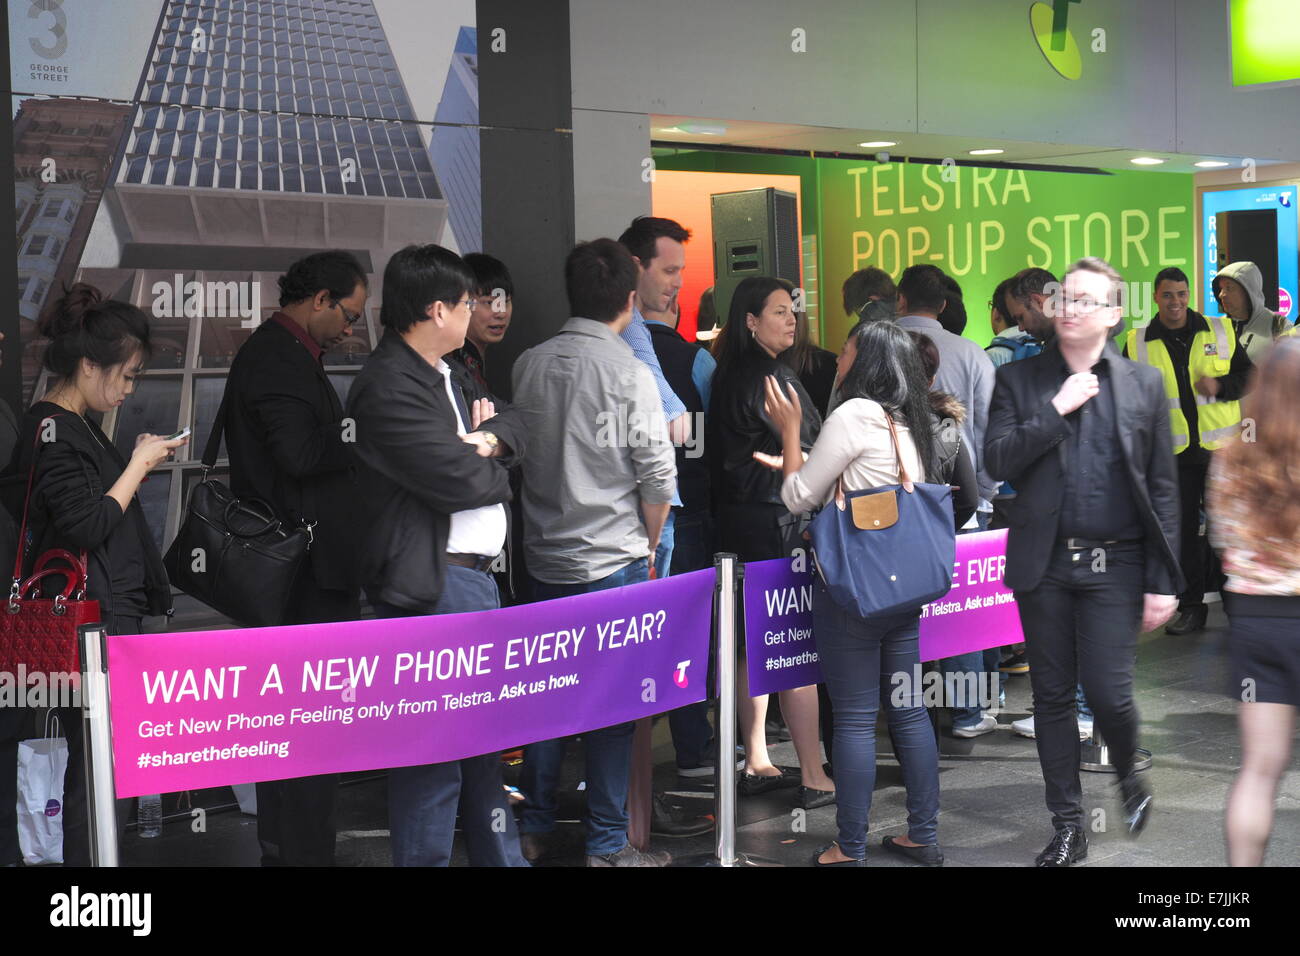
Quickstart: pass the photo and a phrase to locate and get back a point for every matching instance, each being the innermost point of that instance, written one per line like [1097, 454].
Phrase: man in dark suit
[287, 444]
[1083, 434]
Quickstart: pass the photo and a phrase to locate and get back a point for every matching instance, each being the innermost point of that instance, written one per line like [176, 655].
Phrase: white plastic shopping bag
[41, 763]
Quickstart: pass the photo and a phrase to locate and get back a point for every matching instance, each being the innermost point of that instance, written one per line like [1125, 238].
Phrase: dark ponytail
[83, 324]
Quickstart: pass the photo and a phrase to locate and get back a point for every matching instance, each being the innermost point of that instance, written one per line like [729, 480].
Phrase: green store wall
[979, 225]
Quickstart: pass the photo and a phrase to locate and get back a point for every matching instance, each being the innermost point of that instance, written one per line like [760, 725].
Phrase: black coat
[1023, 446]
[737, 426]
[285, 438]
[8, 443]
[416, 472]
[70, 509]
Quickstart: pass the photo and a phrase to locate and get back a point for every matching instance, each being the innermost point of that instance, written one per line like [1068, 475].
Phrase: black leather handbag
[234, 554]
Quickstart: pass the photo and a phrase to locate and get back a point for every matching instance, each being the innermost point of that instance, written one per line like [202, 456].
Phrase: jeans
[608, 750]
[859, 658]
[1081, 703]
[691, 731]
[664, 552]
[1081, 627]
[692, 541]
[422, 801]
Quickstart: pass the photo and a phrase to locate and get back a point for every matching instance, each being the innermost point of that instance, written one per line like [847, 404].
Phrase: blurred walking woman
[84, 493]
[1254, 505]
[752, 520]
[883, 376]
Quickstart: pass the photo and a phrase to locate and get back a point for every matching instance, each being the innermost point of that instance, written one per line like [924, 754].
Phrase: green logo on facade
[1049, 25]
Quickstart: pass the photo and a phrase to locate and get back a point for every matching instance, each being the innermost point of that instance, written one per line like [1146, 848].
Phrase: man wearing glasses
[284, 436]
[1083, 434]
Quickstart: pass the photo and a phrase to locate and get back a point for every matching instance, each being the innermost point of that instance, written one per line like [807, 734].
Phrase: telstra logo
[1049, 25]
[679, 675]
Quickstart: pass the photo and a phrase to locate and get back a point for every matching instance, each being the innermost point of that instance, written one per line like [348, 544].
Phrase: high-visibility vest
[1210, 357]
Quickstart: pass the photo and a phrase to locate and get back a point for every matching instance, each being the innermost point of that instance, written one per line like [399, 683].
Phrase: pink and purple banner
[979, 612]
[208, 708]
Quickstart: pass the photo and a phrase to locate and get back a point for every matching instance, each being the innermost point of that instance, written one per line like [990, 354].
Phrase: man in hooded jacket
[1239, 289]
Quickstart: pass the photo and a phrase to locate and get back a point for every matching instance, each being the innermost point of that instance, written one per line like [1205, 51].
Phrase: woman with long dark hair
[752, 520]
[1254, 503]
[814, 365]
[882, 377]
[83, 496]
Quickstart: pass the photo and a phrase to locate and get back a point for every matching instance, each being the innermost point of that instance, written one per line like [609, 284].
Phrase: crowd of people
[418, 483]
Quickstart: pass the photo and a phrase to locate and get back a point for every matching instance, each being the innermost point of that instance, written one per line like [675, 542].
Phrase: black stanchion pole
[97, 743]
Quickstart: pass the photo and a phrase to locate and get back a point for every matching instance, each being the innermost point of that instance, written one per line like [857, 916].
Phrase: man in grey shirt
[966, 372]
[606, 464]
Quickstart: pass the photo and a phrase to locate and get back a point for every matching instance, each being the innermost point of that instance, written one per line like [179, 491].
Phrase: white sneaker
[986, 725]
[1025, 728]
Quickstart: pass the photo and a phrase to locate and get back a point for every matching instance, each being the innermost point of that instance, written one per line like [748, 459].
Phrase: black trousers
[295, 817]
[1081, 626]
[1193, 554]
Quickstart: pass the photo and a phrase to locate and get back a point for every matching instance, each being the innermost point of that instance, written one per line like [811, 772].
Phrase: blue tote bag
[886, 550]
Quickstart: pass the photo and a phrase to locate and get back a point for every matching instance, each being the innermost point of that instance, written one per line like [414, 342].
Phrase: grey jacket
[1257, 333]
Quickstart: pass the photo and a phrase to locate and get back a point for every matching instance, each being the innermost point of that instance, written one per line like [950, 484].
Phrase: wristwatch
[491, 439]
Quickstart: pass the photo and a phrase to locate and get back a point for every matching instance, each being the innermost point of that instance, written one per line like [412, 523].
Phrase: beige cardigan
[854, 442]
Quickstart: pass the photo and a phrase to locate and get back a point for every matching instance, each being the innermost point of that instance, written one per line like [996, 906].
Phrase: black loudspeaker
[755, 233]
[1250, 235]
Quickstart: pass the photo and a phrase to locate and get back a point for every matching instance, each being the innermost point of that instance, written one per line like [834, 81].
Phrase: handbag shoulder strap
[213, 446]
[904, 478]
[21, 551]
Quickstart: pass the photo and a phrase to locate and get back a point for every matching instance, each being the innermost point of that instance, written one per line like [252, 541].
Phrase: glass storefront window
[342, 382]
[155, 407]
[207, 399]
[221, 337]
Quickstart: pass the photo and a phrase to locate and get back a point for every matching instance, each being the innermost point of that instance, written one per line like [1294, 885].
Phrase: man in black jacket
[285, 436]
[1083, 434]
[435, 486]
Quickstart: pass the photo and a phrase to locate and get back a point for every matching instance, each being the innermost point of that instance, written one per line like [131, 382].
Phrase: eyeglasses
[352, 318]
[472, 303]
[1084, 305]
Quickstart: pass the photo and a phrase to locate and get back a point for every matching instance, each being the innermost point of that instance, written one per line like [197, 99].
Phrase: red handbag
[38, 633]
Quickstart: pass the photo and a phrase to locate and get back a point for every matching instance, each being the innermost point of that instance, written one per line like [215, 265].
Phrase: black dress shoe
[810, 798]
[817, 859]
[752, 784]
[669, 821]
[1137, 803]
[1069, 845]
[1188, 620]
[925, 855]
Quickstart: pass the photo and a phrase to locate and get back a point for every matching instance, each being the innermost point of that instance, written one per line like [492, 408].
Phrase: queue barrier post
[730, 575]
[1094, 755]
[97, 745]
